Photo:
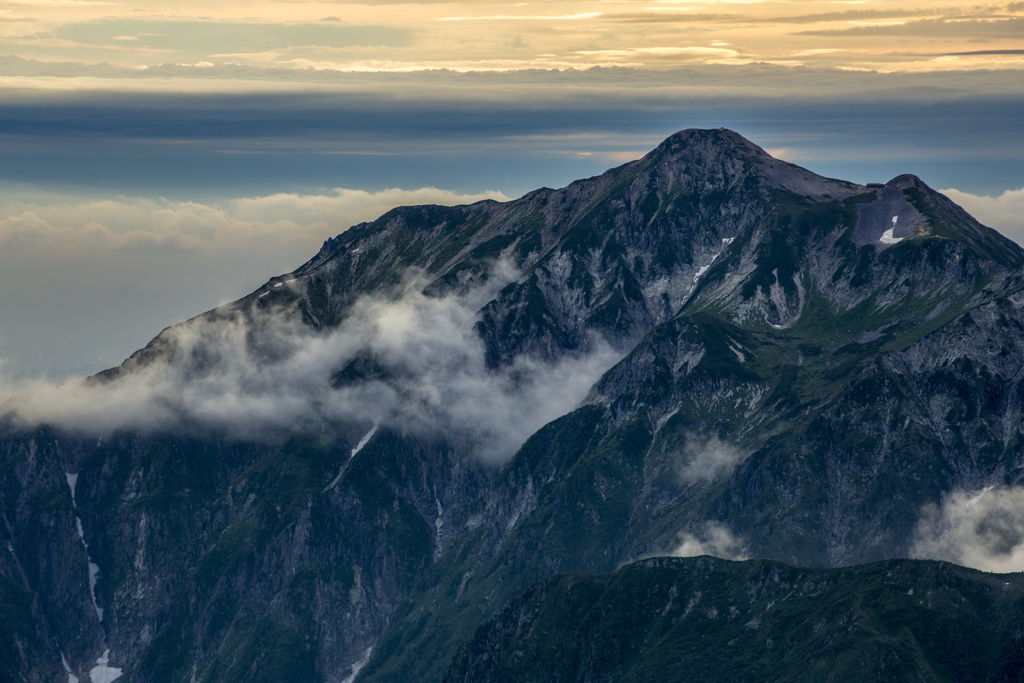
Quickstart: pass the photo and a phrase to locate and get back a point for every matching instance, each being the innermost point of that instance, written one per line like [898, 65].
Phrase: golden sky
[396, 36]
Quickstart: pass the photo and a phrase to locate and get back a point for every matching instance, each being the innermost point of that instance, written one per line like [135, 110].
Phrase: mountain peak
[720, 158]
[717, 137]
[906, 181]
[704, 145]
[706, 350]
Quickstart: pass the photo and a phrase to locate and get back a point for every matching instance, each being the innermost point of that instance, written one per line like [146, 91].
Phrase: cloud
[669, 14]
[952, 27]
[715, 540]
[297, 129]
[1005, 212]
[204, 37]
[983, 52]
[708, 459]
[463, 36]
[526, 17]
[97, 278]
[690, 51]
[49, 222]
[408, 361]
[980, 529]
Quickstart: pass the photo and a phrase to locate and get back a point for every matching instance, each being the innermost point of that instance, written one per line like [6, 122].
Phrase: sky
[157, 160]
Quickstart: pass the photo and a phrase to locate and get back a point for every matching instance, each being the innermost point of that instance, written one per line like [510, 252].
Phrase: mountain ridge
[508, 216]
[336, 474]
[681, 619]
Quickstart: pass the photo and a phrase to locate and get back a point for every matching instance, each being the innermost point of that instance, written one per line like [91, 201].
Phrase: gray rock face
[772, 366]
[887, 220]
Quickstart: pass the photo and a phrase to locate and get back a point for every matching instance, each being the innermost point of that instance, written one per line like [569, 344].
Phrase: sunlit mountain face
[414, 456]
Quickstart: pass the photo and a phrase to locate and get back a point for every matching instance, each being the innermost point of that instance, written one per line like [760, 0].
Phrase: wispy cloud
[981, 529]
[259, 372]
[983, 52]
[60, 3]
[693, 14]
[953, 27]
[696, 51]
[705, 459]
[525, 17]
[211, 37]
[126, 224]
[715, 540]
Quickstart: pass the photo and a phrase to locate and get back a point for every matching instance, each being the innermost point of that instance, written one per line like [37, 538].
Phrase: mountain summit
[345, 473]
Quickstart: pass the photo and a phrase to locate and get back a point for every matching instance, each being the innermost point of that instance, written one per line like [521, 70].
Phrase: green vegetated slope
[705, 619]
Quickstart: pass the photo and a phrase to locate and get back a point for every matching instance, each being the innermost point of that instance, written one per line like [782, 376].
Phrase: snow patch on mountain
[358, 447]
[358, 666]
[72, 678]
[887, 236]
[103, 672]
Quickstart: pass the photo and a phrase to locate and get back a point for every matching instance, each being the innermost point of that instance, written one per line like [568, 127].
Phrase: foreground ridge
[709, 619]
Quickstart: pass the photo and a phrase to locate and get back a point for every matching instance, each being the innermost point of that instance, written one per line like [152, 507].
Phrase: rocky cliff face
[709, 350]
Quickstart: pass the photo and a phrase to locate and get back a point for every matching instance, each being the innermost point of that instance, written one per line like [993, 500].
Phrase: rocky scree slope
[805, 363]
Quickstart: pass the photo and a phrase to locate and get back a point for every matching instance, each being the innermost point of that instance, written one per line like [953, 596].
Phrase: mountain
[706, 619]
[351, 469]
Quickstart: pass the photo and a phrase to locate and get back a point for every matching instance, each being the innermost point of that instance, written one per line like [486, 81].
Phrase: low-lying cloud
[411, 362]
[980, 529]
[714, 540]
[1003, 212]
[705, 460]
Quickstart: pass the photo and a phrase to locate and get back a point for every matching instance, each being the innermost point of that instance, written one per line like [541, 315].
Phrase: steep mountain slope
[806, 403]
[708, 346]
[712, 620]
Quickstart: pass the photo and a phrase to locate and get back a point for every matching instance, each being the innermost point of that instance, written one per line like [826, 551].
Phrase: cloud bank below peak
[260, 374]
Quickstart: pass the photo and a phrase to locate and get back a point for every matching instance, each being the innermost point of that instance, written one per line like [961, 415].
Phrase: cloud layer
[980, 529]
[242, 130]
[410, 362]
[916, 35]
